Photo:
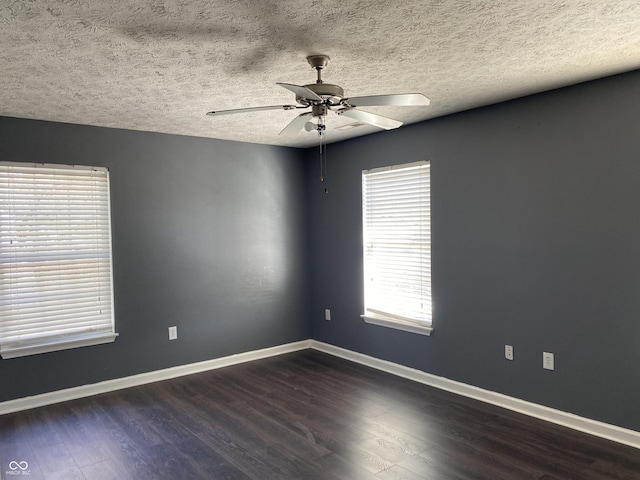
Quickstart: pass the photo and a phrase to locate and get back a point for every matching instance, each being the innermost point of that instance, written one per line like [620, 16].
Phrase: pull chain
[323, 150]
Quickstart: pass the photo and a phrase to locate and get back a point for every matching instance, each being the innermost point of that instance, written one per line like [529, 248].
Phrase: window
[55, 258]
[397, 246]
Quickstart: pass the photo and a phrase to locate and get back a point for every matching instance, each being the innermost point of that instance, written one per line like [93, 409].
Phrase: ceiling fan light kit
[322, 98]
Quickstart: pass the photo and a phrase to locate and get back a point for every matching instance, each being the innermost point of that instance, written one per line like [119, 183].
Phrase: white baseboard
[586, 425]
[593, 427]
[143, 378]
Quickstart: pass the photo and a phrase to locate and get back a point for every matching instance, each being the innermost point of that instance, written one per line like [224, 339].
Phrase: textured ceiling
[161, 65]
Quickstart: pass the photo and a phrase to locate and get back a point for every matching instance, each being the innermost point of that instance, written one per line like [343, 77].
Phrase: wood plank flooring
[305, 415]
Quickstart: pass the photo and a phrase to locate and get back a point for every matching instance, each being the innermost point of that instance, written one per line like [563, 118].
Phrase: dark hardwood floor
[305, 415]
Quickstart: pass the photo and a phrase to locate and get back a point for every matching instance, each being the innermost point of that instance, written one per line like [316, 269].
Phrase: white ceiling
[161, 65]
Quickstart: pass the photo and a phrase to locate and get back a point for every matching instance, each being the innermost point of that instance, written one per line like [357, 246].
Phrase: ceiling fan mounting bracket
[318, 61]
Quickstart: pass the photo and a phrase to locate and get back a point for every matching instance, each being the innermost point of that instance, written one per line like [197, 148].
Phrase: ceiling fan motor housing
[331, 94]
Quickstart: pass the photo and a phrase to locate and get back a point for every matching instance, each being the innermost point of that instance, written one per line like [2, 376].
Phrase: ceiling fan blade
[402, 100]
[371, 118]
[252, 109]
[300, 91]
[296, 124]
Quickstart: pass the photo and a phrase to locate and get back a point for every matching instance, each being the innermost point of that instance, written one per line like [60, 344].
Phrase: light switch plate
[173, 333]
[548, 361]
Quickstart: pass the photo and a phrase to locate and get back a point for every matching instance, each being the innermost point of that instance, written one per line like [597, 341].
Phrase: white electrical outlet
[173, 333]
[547, 361]
[508, 352]
[327, 314]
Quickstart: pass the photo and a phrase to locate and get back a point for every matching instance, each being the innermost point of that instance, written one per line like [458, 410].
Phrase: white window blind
[397, 246]
[55, 258]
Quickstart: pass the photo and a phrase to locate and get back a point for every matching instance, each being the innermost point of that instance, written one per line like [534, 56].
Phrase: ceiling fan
[325, 97]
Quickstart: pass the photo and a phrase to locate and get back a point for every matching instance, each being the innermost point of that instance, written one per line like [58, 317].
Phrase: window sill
[398, 324]
[52, 346]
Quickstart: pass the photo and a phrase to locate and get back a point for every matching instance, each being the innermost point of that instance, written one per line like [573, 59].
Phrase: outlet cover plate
[508, 352]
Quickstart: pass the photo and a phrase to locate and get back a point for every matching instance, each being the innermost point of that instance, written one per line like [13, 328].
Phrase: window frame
[35, 241]
[397, 319]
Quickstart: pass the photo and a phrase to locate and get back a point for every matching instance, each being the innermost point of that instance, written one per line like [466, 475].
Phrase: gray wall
[536, 243]
[207, 235]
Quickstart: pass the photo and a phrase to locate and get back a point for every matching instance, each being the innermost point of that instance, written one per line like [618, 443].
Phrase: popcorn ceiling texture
[161, 65]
